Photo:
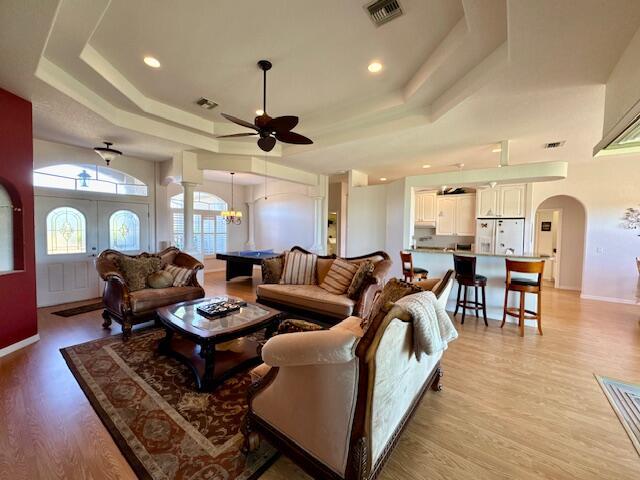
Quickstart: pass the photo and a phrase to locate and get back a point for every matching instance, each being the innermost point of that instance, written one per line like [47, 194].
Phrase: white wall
[606, 187]
[572, 232]
[394, 225]
[366, 222]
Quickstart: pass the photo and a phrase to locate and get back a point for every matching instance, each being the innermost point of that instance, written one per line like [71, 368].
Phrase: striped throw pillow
[299, 268]
[181, 276]
[339, 276]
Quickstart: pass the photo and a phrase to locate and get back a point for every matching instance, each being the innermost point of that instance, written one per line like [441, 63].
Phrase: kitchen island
[492, 266]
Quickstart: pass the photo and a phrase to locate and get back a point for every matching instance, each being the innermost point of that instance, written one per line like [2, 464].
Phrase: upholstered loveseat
[128, 307]
[335, 401]
[313, 301]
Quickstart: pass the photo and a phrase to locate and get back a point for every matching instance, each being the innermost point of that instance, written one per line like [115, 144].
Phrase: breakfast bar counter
[492, 266]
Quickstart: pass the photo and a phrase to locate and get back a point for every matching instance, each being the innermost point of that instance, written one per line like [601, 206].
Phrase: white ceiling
[459, 76]
[239, 177]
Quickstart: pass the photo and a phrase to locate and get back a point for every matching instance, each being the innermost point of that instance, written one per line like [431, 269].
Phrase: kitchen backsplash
[426, 237]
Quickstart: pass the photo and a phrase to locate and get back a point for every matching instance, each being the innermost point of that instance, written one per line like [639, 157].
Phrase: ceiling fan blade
[292, 137]
[282, 124]
[267, 143]
[233, 119]
[248, 134]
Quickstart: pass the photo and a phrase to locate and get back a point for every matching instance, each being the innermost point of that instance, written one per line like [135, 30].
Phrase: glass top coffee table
[197, 338]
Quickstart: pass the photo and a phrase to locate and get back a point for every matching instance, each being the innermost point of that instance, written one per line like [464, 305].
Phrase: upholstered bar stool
[524, 286]
[408, 270]
[465, 268]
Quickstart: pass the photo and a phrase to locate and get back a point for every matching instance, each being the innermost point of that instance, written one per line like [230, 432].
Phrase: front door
[66, 248]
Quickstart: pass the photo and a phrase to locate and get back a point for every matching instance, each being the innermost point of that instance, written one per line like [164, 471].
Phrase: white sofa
[336, 400]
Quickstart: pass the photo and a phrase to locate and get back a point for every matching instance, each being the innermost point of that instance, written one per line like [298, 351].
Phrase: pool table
[240, 264]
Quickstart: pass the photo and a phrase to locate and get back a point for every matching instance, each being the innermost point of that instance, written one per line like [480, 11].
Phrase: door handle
[92, 255]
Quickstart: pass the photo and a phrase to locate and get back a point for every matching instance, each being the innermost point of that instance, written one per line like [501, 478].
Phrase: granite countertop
[468, 252]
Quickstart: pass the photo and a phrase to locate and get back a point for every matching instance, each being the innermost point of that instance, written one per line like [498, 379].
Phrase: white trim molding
[18, 345]
[609, 299]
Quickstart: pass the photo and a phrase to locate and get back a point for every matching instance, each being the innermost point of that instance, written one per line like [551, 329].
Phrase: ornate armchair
[336, 401]
[130, 308]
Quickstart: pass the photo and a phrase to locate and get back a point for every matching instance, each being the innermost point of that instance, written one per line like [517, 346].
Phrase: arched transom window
[66, 231]
[89, 178]
[209, 228]
[124, 231]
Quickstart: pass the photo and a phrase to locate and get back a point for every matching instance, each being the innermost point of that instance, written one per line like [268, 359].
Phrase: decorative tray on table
[220, 307]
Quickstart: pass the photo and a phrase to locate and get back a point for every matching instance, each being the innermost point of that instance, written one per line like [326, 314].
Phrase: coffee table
[197, 337]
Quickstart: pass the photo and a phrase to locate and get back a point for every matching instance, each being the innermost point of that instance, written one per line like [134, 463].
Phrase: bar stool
[524, 286]
[465, 267]
[408, 270]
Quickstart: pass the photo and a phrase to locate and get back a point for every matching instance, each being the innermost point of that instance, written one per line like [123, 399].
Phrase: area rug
[164, 428]
[625, 401]
[70, 312]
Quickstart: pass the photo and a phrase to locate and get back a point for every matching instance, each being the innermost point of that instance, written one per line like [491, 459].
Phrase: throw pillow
[365, 269]
[272, 269]
[181, 276]
[339, 277]
[299, 268]
[393, 291]
[322, 266]
[136, 270]
[161, 279]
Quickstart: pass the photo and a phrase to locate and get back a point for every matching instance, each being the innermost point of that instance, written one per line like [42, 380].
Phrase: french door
[70, 233]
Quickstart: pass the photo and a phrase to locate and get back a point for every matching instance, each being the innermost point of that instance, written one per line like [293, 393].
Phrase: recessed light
[259, 112]
[383, 179]
[426, 166]
[152, 62]
[375, 67]
[499, 165]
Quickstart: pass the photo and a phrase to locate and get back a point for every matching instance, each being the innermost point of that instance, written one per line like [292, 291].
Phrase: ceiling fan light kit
[267, 128]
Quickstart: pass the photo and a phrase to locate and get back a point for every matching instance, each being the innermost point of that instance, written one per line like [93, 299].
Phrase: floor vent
[554, 144]
[206, 103]
[383, 11]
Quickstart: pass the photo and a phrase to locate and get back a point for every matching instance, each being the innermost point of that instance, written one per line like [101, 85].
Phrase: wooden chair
[408, 270]
[465, 268]
[524, 286]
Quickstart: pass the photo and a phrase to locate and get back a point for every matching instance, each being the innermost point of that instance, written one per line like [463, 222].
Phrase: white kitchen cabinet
[465, 216]
[501, 201]
[487, 201]
[456, 215]
[512, 200]
[425, 208]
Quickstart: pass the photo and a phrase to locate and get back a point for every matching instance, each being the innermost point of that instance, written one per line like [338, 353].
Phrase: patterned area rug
[164, 428]
[625, 401]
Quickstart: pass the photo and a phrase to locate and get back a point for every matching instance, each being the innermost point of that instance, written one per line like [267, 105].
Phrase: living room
[377, 239]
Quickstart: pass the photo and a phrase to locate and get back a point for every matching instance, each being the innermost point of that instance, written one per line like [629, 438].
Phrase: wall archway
[568, 218]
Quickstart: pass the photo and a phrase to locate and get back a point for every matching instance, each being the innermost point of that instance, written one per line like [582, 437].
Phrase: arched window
[66, 231]
[209, 228]
[90, 178]
[124, 231]
[6, 231]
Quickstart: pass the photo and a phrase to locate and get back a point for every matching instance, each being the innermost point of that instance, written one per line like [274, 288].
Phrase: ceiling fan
[269, 129]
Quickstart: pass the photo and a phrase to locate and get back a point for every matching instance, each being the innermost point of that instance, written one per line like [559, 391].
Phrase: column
[317, 246]
[188, 215]
[251, 233]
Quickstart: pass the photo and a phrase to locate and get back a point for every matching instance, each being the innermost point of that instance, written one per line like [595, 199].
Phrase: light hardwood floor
[519, 408]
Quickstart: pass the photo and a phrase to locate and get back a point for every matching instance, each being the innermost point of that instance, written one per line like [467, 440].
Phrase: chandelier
[107, 153]
[232, 216]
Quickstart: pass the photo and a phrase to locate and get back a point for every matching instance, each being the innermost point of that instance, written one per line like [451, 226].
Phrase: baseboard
[214, 270]
[18, 345]
[609, 299]
[569, 287]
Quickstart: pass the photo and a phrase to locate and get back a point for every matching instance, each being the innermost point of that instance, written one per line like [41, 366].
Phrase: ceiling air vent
[383, 11]
[206, 103]
[554, 144]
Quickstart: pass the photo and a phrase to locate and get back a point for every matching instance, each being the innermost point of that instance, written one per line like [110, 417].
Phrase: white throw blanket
[432, 327]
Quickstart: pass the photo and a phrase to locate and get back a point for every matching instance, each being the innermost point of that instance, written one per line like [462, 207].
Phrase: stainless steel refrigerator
[503, 236]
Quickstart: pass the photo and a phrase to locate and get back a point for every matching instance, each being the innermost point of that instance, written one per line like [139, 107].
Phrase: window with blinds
[209, 232]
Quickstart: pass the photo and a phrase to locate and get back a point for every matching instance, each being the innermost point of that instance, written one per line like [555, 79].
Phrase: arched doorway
[560, 228]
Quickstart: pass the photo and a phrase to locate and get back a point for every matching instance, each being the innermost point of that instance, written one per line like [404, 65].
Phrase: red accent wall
[18, 318]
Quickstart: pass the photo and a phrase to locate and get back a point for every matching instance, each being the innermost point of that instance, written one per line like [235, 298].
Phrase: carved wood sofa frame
[359, 464]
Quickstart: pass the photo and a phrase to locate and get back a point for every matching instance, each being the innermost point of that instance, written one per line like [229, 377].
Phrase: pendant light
[232, 216]
[107, 153]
